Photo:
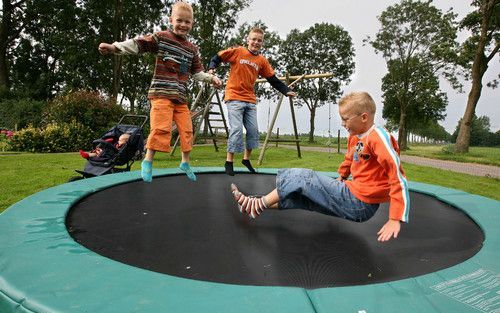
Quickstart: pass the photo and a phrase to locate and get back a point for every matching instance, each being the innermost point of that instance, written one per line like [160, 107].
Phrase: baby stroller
[112, 159]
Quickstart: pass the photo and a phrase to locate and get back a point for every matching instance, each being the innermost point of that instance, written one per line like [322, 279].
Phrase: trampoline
[116, 244]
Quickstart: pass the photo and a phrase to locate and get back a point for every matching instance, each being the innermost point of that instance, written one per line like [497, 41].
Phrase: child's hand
[106, 48]
[216, 81]
[291, 94]
[390, 229]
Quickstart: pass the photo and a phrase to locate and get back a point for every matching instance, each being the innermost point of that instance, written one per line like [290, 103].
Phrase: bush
[87, 108]
[448, 149]
[62, 137]
[5, 136]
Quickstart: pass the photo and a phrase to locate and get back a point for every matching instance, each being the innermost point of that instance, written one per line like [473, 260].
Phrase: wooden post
[277, 136]
[338, 141]
[305, 76]
[269, 131]
[290, 99]
[271, 125]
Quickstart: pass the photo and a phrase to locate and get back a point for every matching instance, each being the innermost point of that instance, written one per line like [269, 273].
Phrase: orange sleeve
[229, 55]
[387, 152]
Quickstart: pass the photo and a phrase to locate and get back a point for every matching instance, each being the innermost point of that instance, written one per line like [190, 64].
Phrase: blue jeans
[300, 188]
[242, 114]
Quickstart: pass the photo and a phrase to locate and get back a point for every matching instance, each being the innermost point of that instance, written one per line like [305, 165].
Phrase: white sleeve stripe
[384, 136]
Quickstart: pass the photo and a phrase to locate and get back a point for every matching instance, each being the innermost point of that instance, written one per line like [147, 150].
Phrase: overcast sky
[359, 19]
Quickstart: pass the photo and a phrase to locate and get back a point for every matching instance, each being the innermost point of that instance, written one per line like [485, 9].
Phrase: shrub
[5, 136]
[62, 137]
[448, 149]
[87, 108]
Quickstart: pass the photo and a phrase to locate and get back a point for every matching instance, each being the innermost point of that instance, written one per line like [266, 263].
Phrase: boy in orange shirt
[176, 59]
[246, 65]
[372, 159]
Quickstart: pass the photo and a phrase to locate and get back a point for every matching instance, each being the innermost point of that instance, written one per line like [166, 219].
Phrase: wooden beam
[262, 80]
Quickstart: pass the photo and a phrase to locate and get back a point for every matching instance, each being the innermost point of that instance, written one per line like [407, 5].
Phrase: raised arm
[280, 86]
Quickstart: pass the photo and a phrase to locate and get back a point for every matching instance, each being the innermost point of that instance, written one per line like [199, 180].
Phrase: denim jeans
[306, 189]
[242, 114]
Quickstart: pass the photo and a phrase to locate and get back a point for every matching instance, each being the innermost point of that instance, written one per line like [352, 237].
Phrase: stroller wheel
[75, 178]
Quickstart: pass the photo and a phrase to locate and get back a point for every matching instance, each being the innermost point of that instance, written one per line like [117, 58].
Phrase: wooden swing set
[290, 81]
[202, 109]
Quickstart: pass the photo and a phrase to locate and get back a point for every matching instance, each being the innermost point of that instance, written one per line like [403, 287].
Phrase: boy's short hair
[360, 102]
[182, 5]
[256, 30]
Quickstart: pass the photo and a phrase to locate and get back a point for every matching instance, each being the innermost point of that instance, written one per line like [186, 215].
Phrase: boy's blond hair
[182, 5]
[359, 102]
[257, 30]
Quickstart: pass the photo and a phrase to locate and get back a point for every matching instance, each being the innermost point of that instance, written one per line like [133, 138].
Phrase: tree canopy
[477, 51]
[319, 49]
[415, 37]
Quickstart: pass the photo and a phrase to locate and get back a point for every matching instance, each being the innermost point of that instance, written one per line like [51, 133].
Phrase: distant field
[481, 155]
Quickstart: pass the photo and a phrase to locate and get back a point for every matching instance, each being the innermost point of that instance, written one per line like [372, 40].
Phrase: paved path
[466, 168]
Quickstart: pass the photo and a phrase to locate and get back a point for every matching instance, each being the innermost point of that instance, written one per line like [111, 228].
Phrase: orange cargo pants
[163, 112]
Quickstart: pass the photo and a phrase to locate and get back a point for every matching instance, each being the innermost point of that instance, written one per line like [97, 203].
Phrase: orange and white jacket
[373, 161]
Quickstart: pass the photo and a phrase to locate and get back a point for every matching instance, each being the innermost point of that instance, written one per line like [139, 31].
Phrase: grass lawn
[482, 155]
[26, 173]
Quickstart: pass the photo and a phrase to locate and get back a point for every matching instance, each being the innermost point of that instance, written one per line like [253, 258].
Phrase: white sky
[359, 18]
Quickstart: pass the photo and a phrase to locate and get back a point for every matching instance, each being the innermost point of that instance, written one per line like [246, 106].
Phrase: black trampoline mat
[194, 230]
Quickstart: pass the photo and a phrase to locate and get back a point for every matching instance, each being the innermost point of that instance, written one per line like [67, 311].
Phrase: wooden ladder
[202, 110]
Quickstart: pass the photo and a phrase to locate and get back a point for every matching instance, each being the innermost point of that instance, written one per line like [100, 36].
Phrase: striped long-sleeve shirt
[176, 59]
[377, 175]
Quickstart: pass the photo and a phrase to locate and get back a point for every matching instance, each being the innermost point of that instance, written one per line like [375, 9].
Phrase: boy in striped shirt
[176, 59]
[372, 160]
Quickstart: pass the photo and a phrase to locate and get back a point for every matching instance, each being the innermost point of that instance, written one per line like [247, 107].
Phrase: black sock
[229, 168]
[248, 165]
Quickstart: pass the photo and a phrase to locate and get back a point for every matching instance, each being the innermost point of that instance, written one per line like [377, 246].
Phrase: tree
[118, 20]
[57, 50]
[480, 134]
[416, 34]
[321, 48]
[425, 103]
[484, 23]
[11, 26]
[39, 66]
[433, 131]
[215, 21]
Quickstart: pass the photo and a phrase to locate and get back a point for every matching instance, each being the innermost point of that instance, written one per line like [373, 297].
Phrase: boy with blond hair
[372, 159]
[246, 65]
[176, 59]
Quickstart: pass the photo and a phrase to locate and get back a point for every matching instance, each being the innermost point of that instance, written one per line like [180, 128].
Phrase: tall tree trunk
[117, 75]
[311, 122]
[402, 138]
[4, 44]
[4, 76]
[132, 104]
[117, 59]
[479, 67]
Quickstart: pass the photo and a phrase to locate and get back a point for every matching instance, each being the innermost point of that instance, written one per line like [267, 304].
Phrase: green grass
[25, 173]
[481, 155]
